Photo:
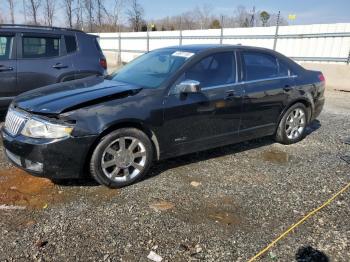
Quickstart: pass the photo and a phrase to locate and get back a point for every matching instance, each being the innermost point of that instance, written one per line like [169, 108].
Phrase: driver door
[210, 117]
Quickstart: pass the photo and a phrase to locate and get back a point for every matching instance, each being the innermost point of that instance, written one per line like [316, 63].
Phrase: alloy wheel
[123, 159]
[295, 123]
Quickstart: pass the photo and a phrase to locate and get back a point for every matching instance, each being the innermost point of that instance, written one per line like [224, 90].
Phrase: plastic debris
[272, 255]
[6, 207]
[161, 206]
[154, 257]
[195, 184]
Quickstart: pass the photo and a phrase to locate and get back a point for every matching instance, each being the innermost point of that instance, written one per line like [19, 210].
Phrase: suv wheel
[292, 127]
[121, 158]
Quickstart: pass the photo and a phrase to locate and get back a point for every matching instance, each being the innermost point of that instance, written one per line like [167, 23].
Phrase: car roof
[196, 48]
[37, 29]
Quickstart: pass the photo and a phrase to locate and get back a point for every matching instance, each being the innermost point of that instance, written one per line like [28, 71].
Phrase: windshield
[152, 69]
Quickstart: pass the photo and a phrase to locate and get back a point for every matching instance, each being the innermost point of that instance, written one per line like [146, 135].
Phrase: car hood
[68, 96]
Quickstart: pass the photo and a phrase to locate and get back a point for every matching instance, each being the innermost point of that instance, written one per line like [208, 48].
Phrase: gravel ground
[221, 205]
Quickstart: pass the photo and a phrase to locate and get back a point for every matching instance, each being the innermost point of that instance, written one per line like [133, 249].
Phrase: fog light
[34, 166]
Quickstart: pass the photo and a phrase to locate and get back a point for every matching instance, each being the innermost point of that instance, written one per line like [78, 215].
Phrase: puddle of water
[18, 188]
[223, 217]
[222, 211]
[275, 156]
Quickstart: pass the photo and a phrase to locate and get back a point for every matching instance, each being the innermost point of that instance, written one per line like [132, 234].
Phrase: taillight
[322, 78]
[103, 63]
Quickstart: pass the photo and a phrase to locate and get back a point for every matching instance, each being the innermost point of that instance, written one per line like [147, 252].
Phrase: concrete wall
[337, 76]
[297, 46]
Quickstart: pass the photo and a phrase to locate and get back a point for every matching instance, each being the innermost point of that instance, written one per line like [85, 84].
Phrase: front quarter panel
[145, 108]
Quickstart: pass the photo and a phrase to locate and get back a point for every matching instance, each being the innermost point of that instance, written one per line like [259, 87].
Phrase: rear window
[40, 47]
[97, 45]
[6, 44]
[259, 66]
[71, 43]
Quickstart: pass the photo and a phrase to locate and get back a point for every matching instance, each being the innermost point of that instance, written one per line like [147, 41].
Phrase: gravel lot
[221, 205]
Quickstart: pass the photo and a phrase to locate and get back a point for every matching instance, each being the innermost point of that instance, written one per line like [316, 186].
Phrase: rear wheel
[121, 158]
[292, 126]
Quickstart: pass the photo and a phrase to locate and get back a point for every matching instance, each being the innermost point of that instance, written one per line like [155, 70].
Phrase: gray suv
[36, 56]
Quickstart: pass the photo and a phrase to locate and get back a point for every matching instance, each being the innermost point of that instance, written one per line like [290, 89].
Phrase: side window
[98, 47]
[6, 44]
[40, 47]
[259, 66]
[283, 69]
[218, 69]
[71, 44]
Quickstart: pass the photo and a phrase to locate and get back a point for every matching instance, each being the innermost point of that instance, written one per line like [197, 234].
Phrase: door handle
[230, 95]
[287, 88]
[6, 68]
[59, 66]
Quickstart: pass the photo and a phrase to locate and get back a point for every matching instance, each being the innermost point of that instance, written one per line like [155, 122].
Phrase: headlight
[42, 129]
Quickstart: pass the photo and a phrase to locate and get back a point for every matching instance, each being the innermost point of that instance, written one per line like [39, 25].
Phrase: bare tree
[49, 13]
[114, 16]
[68, 7]
[11, 4]
[241, 17]
[89, 9]
[135, 15]
[33, 10]
[203, 15]
[100, 10]
[79, 10]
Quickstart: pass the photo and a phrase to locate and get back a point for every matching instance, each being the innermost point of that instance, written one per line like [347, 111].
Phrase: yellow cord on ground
[330, 200]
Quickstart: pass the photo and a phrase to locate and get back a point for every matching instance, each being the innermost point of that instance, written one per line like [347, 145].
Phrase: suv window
[71, 44]
[6, 43]
[97, 45]
[218, 69]
[259, 66]
[39, 47]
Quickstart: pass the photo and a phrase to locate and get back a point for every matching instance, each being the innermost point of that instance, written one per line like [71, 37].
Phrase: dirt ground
[224, 204]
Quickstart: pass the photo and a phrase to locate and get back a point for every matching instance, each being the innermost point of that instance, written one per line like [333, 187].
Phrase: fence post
[276, 33]
[348, 61]
[222, 30]
[180, 39]
[120, 48]
[147, 38]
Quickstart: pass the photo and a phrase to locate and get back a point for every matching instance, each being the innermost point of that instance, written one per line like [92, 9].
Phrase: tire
[121, 158]
[292, 127]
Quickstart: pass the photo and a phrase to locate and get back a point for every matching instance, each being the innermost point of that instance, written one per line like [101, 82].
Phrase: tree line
[126, 15]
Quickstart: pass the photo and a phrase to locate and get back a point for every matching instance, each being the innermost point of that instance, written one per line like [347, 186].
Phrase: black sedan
[166, 103]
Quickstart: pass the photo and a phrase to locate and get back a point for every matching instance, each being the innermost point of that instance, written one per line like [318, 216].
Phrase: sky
[307, 11]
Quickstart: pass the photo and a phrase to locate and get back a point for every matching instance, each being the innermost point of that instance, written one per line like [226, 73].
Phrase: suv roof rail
[38, 27]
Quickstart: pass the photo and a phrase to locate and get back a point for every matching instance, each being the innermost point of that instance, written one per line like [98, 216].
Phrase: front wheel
[292, 126]
[121, 158]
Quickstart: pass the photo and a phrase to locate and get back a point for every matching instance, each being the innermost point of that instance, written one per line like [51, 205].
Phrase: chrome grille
[14, 121]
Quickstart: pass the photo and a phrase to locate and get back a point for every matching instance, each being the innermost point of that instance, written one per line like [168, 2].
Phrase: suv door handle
[230, 95]
[5, 68]
[287, 88]
[59, 66]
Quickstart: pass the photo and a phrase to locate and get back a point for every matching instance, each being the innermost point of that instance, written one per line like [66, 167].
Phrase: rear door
[41, 61]
[8, 68]
[266, 89]
[211, 117]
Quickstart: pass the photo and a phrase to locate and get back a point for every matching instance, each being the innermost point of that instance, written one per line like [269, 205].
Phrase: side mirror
[189, 86]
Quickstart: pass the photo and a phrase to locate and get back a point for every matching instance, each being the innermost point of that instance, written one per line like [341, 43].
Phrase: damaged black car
[168, 102]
